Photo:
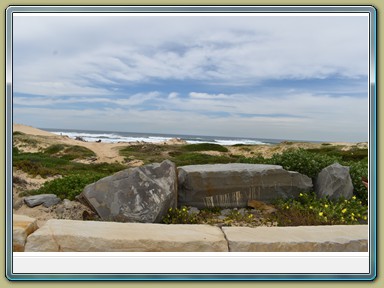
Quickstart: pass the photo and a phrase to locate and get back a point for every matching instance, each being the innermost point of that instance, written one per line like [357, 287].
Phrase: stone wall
[96, 236]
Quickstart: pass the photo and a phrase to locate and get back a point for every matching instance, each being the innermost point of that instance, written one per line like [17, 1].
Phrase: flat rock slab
[340, 238]
[22, 226]
[93, 236]
[233, 185]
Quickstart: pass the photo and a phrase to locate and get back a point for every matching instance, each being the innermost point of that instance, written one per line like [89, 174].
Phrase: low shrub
[192, 158]
[307, 209]
[68, 187]
[180, 216]
[358, 171]
[300, 160]
[204, 147]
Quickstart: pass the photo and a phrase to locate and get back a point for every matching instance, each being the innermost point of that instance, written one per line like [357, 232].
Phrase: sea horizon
[153, 137]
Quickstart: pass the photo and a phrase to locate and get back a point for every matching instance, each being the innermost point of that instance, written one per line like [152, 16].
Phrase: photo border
[194, 9]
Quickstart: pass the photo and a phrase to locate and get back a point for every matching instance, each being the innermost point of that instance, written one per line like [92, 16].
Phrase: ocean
[116, 137]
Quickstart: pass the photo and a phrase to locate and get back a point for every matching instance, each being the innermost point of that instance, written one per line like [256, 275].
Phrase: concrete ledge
[22, 227]
[93, 236]
[340, 238]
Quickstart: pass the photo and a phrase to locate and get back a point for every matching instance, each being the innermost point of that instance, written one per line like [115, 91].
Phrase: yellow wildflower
[354, 197]
[344, 210]
[326, 206]
[321, 213]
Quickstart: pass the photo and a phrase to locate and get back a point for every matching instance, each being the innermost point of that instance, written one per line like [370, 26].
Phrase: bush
[300, 160]
[198, 159]
[204, 147]
[307, 209]
[69, 152]
[180, 216]
[358, 170]
[53, 149]
[68, 187]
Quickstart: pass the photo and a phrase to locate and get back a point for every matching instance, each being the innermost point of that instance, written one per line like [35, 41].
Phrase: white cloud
[106, 61]
[234, 49]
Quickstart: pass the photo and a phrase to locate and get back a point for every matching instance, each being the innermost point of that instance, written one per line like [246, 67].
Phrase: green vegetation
[70, 186]
[71, 177]
[307, 209]
[212, 216]
[25, 140]
[56, 160]
[354, 154]
[204, 147]
[180, 154]
[198, 159]
[69, 152]
[300, 160]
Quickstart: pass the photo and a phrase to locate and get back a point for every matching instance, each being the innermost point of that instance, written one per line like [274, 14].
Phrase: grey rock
[141, 194]
[232, 185]
[47, 200]
[225, 212]
[334, 182]
[193, 211]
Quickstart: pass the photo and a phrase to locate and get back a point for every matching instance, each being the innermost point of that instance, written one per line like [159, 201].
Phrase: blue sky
[280, 77]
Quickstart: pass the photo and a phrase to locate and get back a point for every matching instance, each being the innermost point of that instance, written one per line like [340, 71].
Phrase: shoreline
[27, 129]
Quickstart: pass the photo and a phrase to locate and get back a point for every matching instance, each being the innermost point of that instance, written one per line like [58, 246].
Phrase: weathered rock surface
[74, 210]
[340, 238]
[141, 194]
[232, 185]
[22, 226]
[94, 236]
[47, 200]
[335, 182]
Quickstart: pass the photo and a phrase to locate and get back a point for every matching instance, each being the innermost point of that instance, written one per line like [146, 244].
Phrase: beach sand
[105, 152]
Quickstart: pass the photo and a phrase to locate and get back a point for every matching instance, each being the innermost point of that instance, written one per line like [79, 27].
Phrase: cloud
[277, 77]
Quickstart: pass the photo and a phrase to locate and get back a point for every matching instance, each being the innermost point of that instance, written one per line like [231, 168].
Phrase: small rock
[193, 210]
[17, 204]
[242, 211]
[47, 200]
[259, 205]
[225, 212]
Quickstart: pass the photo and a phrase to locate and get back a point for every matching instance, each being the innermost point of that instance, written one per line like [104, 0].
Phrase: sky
[270, 77]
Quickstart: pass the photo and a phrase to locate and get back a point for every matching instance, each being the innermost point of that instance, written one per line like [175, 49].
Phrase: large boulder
[334, 182]
[142, 194]
[232, 185]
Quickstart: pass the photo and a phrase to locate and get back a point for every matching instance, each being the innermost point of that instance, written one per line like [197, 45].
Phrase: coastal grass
[181, 155]
[204, 147]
